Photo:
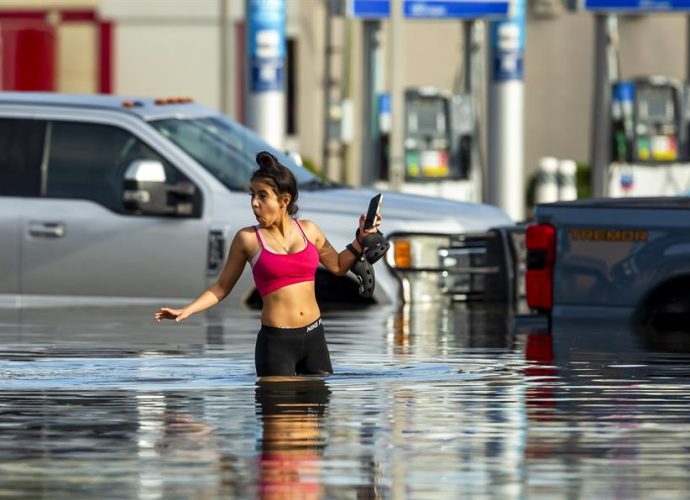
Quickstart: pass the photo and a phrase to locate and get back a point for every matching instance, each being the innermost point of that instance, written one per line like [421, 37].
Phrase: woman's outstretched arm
[237, 259]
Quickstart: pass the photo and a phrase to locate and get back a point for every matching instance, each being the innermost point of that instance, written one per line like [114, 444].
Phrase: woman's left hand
[366, 232]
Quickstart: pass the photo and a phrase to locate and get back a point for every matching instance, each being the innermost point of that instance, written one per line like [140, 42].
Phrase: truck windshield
[226, 149]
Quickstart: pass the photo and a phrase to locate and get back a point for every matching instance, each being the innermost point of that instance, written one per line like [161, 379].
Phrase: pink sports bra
[273, 271]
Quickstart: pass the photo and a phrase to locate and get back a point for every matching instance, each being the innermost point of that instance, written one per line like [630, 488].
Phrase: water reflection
[607, 406]
[53, 443]
[438, 328]
[293, 440]
[182, 435]
[427, 402]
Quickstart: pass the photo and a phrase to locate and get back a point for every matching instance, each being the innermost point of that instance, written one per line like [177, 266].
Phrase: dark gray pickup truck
[625, 258]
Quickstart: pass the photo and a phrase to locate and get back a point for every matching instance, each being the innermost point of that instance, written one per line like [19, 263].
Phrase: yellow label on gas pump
[664, 148]
[434, 163]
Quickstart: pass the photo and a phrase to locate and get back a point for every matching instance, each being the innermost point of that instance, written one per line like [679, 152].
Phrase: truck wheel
[668, 307]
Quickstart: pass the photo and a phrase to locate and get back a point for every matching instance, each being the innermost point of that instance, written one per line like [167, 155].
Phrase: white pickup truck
[624, 258]
[107, 198]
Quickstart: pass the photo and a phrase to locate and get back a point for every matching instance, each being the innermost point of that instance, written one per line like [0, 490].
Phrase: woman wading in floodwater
[284, 254]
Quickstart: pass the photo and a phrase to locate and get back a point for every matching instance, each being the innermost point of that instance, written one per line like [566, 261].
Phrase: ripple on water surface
[171, 373]
[424, 404]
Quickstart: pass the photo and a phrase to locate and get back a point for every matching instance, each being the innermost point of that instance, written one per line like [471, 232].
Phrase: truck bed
[628, 255]
[681, 202]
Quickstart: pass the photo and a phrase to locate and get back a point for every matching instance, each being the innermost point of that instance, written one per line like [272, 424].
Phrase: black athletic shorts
[292, 351]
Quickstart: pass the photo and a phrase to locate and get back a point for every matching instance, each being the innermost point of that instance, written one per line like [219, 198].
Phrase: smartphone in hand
[374, 207]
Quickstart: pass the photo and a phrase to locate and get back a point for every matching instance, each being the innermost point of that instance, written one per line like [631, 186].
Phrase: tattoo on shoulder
[326, 247]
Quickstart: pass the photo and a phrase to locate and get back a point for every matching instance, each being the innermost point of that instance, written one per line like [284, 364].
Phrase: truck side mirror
[147, 191]
[145, 171]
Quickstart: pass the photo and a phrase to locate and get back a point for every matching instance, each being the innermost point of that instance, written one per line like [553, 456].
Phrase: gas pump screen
[430, 115]
[655, 104]
[427, 137]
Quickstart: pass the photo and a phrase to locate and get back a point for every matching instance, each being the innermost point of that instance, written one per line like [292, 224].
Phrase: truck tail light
[540, 240]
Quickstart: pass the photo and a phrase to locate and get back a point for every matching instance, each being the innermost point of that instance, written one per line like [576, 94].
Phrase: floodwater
[427, 402]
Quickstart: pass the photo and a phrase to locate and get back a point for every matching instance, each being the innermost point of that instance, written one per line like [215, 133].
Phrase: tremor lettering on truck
[626, 235]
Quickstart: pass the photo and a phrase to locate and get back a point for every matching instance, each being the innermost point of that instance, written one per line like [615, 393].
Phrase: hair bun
[266, 160]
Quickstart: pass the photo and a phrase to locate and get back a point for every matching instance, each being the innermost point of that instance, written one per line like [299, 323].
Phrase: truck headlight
[416, 252]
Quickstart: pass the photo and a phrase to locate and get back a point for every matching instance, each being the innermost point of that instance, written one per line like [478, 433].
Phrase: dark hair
[278, 176]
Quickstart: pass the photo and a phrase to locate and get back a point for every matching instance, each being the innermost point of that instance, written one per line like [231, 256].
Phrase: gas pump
[648, 121]
[649, 131]
[440, 142]
[427, 135]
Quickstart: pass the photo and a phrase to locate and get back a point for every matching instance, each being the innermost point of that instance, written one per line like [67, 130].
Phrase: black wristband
[357, 233]
[353, 250]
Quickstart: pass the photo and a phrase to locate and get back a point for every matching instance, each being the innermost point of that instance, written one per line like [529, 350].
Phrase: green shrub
[583, 178]
[582, 181]
[309, 164]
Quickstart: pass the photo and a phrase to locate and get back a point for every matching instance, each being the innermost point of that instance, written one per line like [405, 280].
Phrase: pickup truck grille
[476, 266]
[486, 266]
[464, 267]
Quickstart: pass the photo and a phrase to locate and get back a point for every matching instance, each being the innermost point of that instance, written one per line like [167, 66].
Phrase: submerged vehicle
[108, 198]
[623, 258]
